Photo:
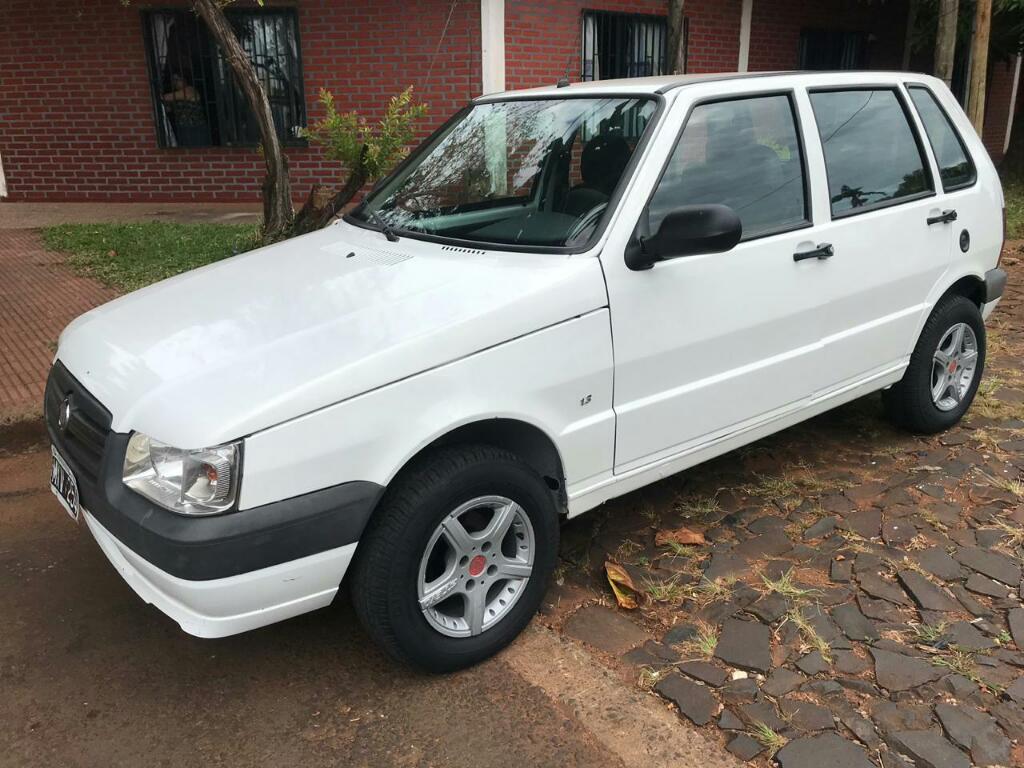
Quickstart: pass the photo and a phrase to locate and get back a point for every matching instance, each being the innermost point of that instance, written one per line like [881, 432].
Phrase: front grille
[83, 438]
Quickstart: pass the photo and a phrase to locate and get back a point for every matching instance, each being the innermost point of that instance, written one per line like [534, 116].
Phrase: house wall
[776, 26]
[76, 117]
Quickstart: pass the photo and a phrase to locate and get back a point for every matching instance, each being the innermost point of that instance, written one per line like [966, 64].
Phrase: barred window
[196, 101]
[623, 45]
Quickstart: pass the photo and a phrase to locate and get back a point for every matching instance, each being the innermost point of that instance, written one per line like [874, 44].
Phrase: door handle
[822, 252]
[943, 218]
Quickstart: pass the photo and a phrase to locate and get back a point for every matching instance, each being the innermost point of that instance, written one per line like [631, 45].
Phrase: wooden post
[675, 59]
[979, 64]
[945, 40]
[277, 195]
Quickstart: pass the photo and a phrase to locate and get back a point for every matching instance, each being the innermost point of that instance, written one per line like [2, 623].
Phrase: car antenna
[385, 228]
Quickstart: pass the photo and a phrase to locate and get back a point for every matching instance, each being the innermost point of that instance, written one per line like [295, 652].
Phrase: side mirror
[687, 231]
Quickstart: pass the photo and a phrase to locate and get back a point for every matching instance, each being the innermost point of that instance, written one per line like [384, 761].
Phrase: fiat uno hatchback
[563, 295]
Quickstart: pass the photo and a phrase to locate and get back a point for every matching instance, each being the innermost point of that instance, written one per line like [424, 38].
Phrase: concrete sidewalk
[36, 215]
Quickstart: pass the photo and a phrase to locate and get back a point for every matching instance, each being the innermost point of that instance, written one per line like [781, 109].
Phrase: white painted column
[492, 45]
[3, 181]
[745, 16]
[1009, 118]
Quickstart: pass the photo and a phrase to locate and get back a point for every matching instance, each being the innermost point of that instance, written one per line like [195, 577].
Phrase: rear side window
[955, 167]
[743, 153]
[872, 156]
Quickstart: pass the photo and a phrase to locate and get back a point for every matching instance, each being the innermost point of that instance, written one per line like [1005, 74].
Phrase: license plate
[64, 485]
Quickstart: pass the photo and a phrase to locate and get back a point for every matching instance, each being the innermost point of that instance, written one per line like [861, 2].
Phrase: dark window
[831, 49]
[745, 154]
[195, 98]
[623, 45]
[955, 167]
[871, 153]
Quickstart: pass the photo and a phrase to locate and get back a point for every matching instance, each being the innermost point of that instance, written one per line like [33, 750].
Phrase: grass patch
[699, 507]
[768, 738]
[130, 256]
[707, 591]
[1013, 191]
[785, 586]
[670, 591]
[929, 634]
[809, 634]
[1013, 535]
[702, 644]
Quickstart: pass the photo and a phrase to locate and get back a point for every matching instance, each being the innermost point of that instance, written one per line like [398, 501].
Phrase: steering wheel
[586, 220]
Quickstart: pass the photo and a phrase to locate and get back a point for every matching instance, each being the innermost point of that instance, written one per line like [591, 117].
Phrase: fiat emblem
[65, 413]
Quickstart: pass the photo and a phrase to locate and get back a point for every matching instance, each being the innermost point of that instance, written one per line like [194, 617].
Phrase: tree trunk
[321, 206]
[908, 37]
[979, 64]
[675, 55]
[945, 40]
[277, 194]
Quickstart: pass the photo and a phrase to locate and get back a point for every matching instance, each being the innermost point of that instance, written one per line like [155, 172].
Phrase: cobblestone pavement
[38, 297]
[840, 594]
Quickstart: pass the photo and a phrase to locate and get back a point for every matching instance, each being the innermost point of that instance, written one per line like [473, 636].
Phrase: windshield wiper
[385, 228]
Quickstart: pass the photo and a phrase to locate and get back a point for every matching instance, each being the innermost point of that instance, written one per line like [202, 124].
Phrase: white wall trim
[1009, 117]
[492, 45]
[3, 181]
[745, 16]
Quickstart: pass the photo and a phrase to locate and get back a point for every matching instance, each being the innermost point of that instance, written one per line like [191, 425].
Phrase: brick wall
[76, 120]
[776, 25]
[543, 37]
[997, 107]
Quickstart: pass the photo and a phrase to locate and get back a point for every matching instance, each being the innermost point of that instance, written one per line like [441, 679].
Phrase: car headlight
[200, 481]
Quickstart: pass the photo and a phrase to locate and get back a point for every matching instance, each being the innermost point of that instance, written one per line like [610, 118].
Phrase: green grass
[1013, 190]
[130, 256]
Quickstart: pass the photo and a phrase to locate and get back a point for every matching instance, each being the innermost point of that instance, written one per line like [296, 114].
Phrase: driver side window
[744, 153]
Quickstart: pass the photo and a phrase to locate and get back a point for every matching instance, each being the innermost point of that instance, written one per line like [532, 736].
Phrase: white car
[563, 295]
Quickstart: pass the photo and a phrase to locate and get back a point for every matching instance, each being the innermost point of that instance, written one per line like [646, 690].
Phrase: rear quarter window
[955, 167]
[872, 155]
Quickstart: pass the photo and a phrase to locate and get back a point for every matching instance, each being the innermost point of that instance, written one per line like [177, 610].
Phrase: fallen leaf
[626, 593]
[683, 535]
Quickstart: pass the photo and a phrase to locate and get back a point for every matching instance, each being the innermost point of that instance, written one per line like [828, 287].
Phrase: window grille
[196, 101]
[623, 45]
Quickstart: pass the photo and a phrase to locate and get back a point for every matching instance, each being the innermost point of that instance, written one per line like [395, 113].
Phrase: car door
[709, 344]
[888, 234]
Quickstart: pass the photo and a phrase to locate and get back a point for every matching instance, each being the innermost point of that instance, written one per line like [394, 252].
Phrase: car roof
[663, 83]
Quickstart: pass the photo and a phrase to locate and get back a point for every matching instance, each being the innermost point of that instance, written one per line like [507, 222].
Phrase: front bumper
[215, 575]
[222, 607]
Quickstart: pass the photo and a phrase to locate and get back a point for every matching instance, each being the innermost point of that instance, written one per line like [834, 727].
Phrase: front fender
[558, 379]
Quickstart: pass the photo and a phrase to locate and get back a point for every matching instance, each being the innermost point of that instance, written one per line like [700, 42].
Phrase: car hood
[226, 350]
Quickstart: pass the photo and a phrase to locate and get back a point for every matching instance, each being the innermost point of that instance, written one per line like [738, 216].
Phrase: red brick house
[104, 102]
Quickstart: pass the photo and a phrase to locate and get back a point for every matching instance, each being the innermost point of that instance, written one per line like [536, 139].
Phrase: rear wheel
[456, 560]
[944, 371]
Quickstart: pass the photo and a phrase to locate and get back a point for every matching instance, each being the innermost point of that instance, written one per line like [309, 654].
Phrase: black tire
[909, 403]
[386, 568]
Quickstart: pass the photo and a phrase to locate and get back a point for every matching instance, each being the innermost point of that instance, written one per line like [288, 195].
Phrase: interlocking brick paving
[885, 566]
[38, 297]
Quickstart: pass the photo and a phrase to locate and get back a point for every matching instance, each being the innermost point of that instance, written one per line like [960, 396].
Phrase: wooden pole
[979, 64]
[945, 40]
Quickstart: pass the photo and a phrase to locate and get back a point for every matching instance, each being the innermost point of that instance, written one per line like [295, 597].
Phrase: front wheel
[944, 371]
[456, 560]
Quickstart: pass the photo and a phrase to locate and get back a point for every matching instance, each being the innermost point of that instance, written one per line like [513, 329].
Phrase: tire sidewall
[424, 645]
[950, 312]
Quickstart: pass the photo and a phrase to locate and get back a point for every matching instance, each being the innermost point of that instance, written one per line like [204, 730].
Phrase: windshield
[529, 173]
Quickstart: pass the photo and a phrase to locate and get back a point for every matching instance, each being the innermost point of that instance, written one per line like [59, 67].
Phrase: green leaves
[373, 148]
